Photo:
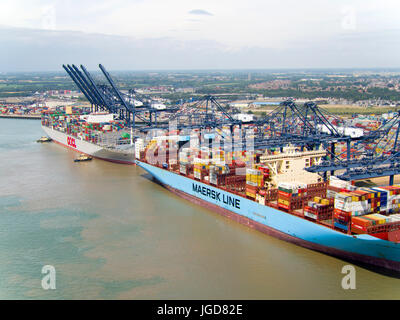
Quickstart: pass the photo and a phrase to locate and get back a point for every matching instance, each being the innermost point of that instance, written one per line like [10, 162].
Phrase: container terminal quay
[299, 173]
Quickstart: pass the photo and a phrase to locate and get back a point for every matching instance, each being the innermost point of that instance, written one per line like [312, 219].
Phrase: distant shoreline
[29, 117]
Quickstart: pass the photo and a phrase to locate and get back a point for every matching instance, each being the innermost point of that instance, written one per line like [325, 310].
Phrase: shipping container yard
[22, 111]
[290, 174]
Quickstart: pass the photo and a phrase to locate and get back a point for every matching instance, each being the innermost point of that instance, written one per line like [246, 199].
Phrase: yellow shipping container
[377, 219]
[372, 195]
[285, 202]
[324, 201]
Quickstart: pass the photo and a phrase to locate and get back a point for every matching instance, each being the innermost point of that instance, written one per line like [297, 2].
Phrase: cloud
[200, 12]
[46, 50]
[231, 22]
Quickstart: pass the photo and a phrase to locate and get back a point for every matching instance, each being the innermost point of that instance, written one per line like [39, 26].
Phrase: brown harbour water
[112, 233]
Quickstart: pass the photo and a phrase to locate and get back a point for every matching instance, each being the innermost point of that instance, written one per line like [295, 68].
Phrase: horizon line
[225, 69]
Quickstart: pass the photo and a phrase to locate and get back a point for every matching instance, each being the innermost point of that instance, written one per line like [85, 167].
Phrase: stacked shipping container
[71, 122]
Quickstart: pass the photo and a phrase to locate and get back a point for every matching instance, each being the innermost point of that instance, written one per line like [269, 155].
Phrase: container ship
[261, 190]
[98, 134]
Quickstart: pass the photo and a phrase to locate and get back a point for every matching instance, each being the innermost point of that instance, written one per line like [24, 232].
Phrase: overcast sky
[175, 34]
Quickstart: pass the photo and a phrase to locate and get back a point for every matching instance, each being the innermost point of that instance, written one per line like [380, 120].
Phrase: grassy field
[342, 110]
[350, 109]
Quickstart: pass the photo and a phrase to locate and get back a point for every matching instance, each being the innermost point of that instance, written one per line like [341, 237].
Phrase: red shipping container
[280, 196]
[358, 229]
[285, 194]
[362, 222]
[394, 236]
[281, 205]
[251, 188]
[381, 235]
[341, 215]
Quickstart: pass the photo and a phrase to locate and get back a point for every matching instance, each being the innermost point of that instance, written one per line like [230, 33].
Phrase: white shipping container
[393, 219]
[310, 215]
[98, 118]
[338, 183]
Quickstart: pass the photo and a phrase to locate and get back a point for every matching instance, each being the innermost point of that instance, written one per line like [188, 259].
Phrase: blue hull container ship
[356, 224]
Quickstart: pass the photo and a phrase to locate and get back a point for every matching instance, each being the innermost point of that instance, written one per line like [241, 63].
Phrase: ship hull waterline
[364, 249]
[89, 148]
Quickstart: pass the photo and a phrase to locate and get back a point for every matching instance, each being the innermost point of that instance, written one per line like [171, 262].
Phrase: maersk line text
[216, 195]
